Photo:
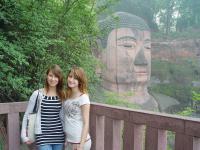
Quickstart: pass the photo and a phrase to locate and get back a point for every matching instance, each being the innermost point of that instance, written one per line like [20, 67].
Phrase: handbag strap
[35, 109]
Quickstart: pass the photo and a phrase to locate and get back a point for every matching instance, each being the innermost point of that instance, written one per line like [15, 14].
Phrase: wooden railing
[116, 128]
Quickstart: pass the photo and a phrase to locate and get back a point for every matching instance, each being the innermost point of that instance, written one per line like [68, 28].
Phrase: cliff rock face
[175, 49]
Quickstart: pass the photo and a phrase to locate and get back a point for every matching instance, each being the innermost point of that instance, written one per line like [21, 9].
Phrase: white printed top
[73, 118]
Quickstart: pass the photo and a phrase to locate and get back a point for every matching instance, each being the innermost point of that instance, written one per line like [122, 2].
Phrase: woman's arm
[85, 109]
[29, 110]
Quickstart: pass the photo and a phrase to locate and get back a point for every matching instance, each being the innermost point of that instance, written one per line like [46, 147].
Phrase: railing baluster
[100, 132]
[93, 130]
[128, 136]
[155, 139]
[151, 139]
[196, 143]
[138, 137]
[183, 142]
[13, 131]
[117, 136]
[108, 139]
[162, 140]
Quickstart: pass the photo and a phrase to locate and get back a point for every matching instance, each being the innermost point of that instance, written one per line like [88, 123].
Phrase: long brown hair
[57, 71]
[78, 74]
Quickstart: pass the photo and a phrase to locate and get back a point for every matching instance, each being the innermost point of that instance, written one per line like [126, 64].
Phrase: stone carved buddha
[127, 57]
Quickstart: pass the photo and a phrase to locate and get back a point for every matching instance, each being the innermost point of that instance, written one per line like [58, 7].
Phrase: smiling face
[52, 79]
[72, 82]
[76, 80]
[128, 56]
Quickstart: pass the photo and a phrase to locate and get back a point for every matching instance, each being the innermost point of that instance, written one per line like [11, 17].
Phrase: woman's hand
[28, 142]
[77, 147]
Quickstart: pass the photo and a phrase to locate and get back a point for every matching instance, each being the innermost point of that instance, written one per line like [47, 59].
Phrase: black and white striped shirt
[51, 126]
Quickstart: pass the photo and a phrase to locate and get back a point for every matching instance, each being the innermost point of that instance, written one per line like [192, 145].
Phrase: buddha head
[126, 56]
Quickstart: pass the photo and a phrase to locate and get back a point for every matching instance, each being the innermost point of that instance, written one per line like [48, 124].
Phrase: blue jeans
[51, 147]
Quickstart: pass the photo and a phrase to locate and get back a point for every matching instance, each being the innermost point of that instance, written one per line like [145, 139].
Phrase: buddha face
[127, 56]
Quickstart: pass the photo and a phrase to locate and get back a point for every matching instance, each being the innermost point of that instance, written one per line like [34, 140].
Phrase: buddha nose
[140, 59]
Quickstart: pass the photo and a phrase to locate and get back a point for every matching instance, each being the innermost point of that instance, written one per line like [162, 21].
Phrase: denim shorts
[51, 147]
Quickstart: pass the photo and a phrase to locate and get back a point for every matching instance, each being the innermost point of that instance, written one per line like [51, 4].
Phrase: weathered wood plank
[118, 114]
[192, 128]
[196, 143]
[139, 131]
[6, 108]
[162, 140]
[108, 139]
[128, 136]
[183, 142]
[13, 131]
[160, 122]
[151, 139]
[117, 135]
[100, 129]
[18, 106]
[106, 134]
[93, 130]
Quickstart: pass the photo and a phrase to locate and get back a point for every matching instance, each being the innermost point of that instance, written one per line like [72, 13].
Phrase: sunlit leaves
[36, 34]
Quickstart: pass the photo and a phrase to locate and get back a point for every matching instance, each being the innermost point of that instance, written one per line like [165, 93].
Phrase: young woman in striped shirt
[49, 134]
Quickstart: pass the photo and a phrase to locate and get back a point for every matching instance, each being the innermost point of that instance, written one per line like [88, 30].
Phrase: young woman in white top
[76, 111]
[49, 132]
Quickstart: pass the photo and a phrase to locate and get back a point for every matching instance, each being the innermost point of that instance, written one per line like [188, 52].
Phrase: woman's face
[71, 81]
[52, 79]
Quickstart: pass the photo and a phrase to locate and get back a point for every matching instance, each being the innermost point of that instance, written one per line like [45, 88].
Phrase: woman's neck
[75, 92]
[51, 91]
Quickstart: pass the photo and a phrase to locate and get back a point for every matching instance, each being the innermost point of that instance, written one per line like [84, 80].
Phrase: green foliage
[145, 9]
[189, 33]
[37, 34]
[194, 109]
[170, 140]
[188, 111]
[101, 95]
[196, 100]
[181, 70]
[164, 16]
[189, 14]
[175, 79]
[115, 99]
[195, 96]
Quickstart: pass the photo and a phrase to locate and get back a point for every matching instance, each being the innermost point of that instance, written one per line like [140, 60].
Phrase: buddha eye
[128, 45]
[147, 47]
[126, 42]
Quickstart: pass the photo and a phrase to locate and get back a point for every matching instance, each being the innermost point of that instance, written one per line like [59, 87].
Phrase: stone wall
[170, 50]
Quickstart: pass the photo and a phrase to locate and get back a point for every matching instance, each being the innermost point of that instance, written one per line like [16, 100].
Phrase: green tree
[36, 34]
[189, 14]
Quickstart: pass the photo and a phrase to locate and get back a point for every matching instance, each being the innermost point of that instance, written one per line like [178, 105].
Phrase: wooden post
[108, 139]
[100, 132]
[117, 134]
[13, 131]
[183, 142]
[196, 143]
[138, 136]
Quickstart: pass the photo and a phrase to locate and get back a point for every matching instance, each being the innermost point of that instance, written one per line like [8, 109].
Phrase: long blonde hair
[78, 74]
